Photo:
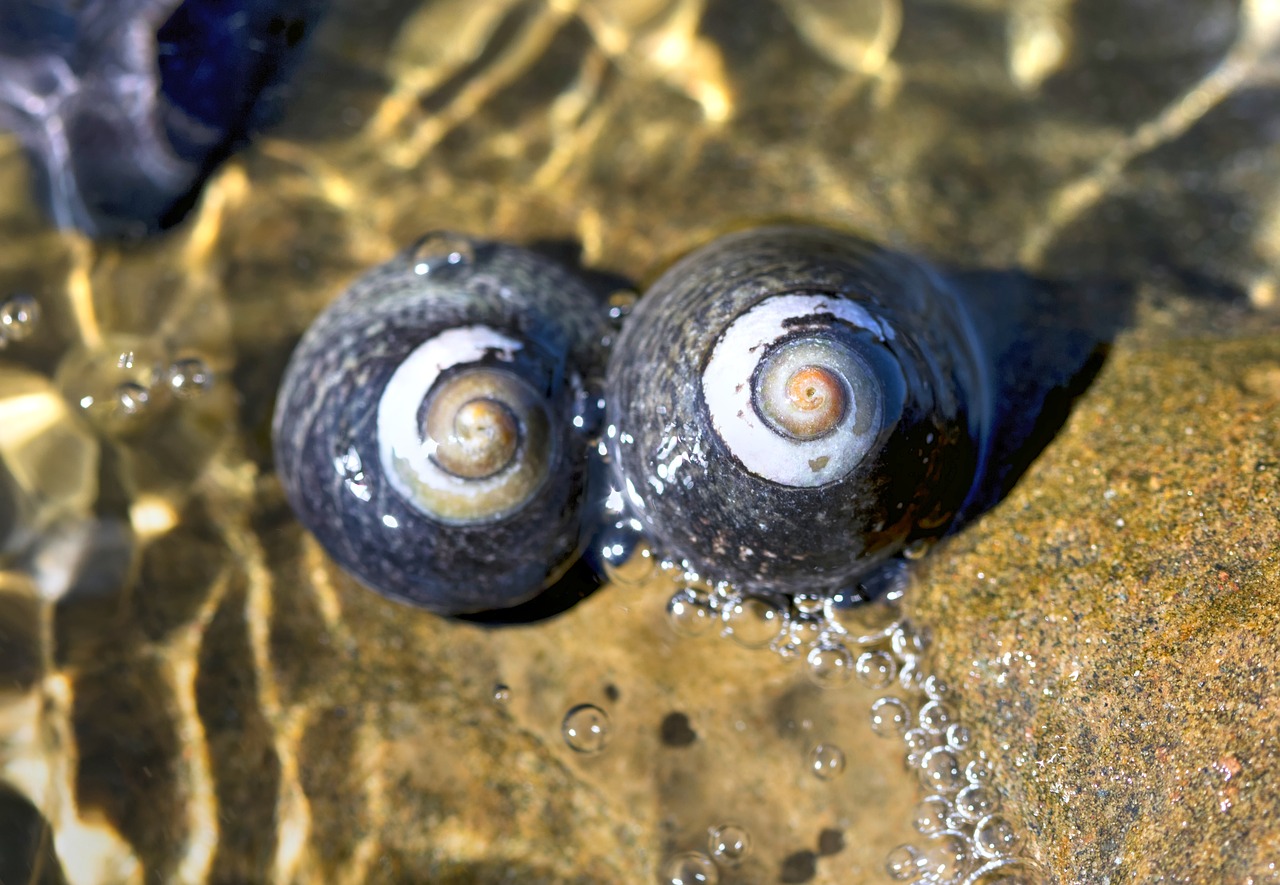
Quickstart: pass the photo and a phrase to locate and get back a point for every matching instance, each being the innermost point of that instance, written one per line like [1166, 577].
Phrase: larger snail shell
[425, 429]
[791, 406]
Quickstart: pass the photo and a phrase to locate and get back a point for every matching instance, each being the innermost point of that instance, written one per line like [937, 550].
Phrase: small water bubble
[994, 836]
[826, 761]
[690, 868]
[889, 716]
[830, 664]
[935, 717]
[802, 631]
[621, 303]
[440, 249]
[978, 771]
[189, 377]
[958, 736]
[903, 863]
[623, 555]
[919, 740]
[501, 693]
[940, 770]
[944, 856]
[935, 689]
[906, 642]
[976, 802]
[132, 398]
[930, 815]
[19, 315]
[690, 613]
[809, 606]
[729, 844]
[753, 621]
[586, 728]
[876, 669]
[1006, 871]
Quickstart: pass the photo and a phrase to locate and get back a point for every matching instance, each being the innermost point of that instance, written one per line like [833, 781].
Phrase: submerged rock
[1111, 627]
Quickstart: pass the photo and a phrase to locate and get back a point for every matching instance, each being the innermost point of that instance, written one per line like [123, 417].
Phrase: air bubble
[876, 669]
[930, 815]
[935, 717]
[944, 856]
[903, 863]
[976, 802]
[19, 315]
[1006, 871]
[906, 642]
[439, 249]
[621, 303]
[958, 736]
[920, 741]
[690, 868]
[940, 770]
[586, 728]
[624, 556]
[889, 717]
[994, 836]
[802, 631]
[189, 377]
[978, 771]
[132, 398]
[826, 761]
[689, 613]
[809, 606]
[753, 621]
[935, 689]
[729, 844]
[830, 665]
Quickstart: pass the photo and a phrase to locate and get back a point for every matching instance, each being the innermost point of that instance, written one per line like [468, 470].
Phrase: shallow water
[197, 694]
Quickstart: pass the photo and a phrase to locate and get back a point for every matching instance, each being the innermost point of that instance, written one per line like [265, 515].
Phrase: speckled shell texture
[329, 401]
[733, 525]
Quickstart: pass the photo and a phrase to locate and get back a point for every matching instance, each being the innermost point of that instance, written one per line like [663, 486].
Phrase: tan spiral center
[483, 440]
[813, 405]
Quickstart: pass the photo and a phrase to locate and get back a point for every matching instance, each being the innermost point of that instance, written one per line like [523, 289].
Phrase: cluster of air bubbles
[585, 728]
[127, 378]
[434, 251]
[19, 315]
[966, 838]
[728, 846]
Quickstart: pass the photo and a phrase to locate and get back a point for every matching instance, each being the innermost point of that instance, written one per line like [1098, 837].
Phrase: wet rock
[1110, 628]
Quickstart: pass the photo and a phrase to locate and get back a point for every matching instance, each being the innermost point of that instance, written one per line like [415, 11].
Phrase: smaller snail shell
[791, 406]
[428, 428]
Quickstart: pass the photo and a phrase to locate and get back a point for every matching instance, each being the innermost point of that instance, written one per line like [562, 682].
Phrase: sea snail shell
[790, 406]
[432, 425]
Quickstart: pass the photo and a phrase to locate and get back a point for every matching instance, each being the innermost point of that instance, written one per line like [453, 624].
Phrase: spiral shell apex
[791, 406]
[429, 429]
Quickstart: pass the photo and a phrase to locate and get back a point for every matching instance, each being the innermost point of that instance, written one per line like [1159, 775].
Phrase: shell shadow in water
[126, 106]
[788, 410]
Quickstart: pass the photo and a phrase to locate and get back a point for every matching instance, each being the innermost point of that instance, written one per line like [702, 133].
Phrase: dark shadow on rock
[1045, 341]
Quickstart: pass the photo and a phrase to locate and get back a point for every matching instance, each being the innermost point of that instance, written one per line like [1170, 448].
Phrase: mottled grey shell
[329, 454]
[923, 407]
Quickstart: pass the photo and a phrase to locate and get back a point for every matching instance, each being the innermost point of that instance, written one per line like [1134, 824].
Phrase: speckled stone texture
[1112, 627]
